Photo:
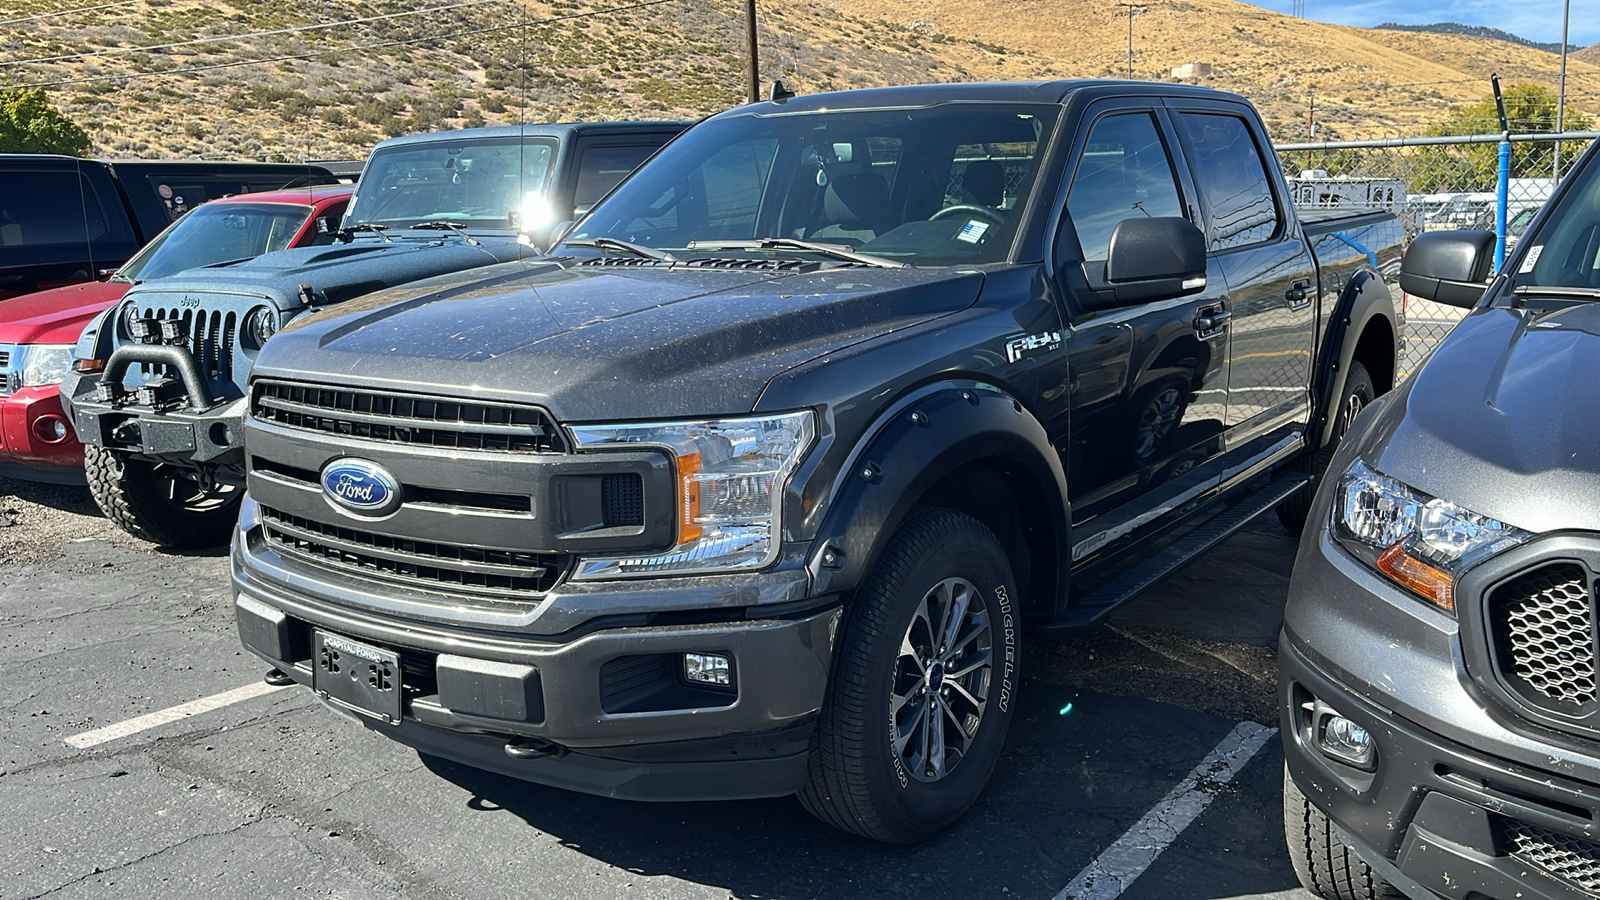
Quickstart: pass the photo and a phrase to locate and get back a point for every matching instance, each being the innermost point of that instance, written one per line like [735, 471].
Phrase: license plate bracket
[356, 676]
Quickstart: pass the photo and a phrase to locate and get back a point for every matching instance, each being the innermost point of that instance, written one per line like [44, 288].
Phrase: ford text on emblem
[358, 486]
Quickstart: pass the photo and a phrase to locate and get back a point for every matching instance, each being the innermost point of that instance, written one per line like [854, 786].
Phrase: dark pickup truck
[66, 221]
[156, 392]
[753, 487]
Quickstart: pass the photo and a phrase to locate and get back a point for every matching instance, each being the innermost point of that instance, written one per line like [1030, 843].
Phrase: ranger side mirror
[1155, 259]
[1450, 267]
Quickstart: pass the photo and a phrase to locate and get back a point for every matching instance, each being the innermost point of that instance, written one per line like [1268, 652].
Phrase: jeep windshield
[487, 183]
[937, 185]
[216, 233]
[1563, 256]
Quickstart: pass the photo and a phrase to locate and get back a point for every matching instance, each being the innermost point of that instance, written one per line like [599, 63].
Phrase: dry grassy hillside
[478, 64]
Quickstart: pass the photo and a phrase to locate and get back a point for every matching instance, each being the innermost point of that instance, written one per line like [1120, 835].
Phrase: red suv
[37, 331]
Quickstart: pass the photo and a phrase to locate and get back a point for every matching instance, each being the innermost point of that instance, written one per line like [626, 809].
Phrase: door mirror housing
[1450, 267]
[1155, 259]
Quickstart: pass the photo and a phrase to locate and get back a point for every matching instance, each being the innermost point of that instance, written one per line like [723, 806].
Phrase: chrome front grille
[9, 380]
[1572, 860]
[399, 418]
[1544, 626]
[509, 576]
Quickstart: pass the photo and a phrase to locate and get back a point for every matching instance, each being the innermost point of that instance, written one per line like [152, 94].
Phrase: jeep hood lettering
[594, 343]
[1504, 419]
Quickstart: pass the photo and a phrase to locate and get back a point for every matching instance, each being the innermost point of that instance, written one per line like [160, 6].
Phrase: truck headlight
[730, 479]
[45, 363]
[1421, 543]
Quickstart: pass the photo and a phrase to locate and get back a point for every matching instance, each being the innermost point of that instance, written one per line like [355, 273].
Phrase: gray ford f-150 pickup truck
[156, 393]
[1437, 670]
[752, 488]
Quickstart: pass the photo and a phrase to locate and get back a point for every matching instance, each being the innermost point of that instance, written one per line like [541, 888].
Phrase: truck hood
[56, 316]
[592, 342]
[1503, 420]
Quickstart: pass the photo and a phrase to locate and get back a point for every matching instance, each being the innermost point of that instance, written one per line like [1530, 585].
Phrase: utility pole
[1561, 89]
[754, 61]
[1131, 8]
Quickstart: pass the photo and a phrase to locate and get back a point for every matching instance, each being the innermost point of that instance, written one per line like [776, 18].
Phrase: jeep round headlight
[130, 314]
[1421, 543]
[730, 479]
[260, 324]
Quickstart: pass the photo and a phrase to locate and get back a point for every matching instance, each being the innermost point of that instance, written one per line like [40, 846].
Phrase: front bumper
[26, 438]
[211, 437]
[608, 698]
[1464, 802]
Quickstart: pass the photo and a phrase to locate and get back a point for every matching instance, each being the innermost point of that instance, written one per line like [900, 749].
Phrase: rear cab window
[49, 208]
[1233, 177]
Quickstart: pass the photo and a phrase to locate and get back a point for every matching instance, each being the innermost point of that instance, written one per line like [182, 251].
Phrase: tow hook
[533, 748]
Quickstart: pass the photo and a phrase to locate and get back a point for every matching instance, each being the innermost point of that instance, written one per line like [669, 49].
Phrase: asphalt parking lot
[141, 756]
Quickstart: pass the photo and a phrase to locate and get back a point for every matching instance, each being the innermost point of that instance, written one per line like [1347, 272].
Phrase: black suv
[1441, 713]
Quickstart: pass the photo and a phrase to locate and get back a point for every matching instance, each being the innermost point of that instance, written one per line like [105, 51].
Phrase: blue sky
[1536, 20]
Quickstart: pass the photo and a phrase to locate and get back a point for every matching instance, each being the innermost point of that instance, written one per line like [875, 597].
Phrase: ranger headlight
[45, 363]
[1421, 543]
[730, 477]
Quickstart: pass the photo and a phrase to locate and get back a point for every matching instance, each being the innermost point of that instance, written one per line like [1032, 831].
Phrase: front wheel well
[1375, 350]
[1010, 502]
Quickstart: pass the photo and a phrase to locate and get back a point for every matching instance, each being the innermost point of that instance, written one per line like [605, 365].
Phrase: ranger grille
[512, 576]
[1571, 860]
[1543, 625]
[407, 419]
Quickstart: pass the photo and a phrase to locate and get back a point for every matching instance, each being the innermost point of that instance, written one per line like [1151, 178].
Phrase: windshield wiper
[457, 227]
[348, 232]
[840, 251]
[1540, 290]
[605, 243]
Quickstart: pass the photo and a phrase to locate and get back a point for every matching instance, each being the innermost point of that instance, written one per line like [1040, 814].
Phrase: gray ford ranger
[1441, 715]
[156, 393]
[751, 489]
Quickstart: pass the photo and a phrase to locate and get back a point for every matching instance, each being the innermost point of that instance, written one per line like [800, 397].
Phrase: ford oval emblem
[360, 487]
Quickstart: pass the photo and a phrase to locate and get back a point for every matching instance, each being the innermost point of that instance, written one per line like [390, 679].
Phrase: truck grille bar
[407, 419]
[1543, 625]
[211, 336]
[1571, 860]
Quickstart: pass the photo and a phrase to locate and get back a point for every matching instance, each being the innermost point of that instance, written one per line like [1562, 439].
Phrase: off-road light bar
[158, 392]
[143, 330]
[106, 392]
[174, 331]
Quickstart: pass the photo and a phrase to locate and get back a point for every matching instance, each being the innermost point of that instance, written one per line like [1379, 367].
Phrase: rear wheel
[163, 504]
[1358, 395]
[923, 687]
[1324, 865]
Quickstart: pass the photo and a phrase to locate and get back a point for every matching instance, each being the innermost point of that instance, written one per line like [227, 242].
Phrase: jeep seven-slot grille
[511, 575]
[211, 335]
[407, 419]
[1543, 624]
[1569, 859]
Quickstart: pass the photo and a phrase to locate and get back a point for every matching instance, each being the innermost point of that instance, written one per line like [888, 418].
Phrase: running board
[1141, 575]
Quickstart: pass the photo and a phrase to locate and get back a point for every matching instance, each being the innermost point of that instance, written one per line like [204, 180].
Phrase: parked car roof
[542, 129]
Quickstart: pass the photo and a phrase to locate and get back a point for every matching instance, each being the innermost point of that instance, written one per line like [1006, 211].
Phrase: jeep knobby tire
[159, 503]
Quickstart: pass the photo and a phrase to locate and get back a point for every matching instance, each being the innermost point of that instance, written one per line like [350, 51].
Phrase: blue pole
[1501, 190]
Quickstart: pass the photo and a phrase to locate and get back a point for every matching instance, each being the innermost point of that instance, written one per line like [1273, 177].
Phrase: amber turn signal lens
[1425, 581]
[689, 495]
[88, 366]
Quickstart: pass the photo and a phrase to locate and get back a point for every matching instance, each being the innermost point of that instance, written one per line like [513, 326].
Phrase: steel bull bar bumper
[174, 416]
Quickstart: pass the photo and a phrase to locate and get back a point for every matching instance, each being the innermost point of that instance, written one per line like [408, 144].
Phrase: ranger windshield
[1565, 251]
[937, 185]
[216, 233]
[479, 183]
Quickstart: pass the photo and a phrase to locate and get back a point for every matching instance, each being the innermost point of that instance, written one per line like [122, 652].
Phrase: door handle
[1298, 294]
[1211, 321]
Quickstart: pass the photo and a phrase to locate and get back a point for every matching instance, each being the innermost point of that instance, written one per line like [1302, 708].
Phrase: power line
[352, 49]
[224, 38]
[68, 12]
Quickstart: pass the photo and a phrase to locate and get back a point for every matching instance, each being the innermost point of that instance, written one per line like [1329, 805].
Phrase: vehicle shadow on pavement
[1079, 770]
[38, 518]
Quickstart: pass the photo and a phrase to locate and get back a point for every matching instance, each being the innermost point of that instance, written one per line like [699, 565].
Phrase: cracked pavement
[278, 797]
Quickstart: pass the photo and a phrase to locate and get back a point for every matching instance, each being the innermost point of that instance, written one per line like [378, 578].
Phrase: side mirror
[1450, 267]
[1155, 259]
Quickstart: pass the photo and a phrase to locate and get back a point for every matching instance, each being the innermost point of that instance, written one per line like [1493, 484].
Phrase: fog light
[708, 668]
[158, 392]
[174, 331]
[142, 329]
[50, 429]
[106, 392]
[1341, 739]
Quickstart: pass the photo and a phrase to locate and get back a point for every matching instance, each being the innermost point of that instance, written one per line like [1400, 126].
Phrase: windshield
[939, 185]
[479, 183]
[1565, 251]
[216, 233]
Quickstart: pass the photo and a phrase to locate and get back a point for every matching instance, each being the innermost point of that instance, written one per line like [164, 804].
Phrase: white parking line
[1122, 862]
[171, 714]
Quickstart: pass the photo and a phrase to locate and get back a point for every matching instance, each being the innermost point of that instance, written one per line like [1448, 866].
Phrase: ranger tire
[880, 766]
[1325, 866]
[157, 503]
[1358, 395]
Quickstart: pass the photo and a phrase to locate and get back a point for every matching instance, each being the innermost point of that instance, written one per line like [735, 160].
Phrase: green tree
[1530, 109]
[29, 124]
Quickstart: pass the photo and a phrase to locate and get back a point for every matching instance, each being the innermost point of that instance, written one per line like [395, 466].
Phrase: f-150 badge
[1025, 345]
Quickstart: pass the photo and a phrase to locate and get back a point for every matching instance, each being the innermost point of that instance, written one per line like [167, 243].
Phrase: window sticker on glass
[1529, 260]
[972, 232]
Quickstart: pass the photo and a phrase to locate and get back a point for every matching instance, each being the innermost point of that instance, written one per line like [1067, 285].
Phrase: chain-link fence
[1433, 183]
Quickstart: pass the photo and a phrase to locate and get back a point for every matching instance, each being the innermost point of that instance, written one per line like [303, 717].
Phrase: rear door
[1270, 274]
[61, 223]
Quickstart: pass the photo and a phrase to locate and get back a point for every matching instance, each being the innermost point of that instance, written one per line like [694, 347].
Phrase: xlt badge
[1025, 345]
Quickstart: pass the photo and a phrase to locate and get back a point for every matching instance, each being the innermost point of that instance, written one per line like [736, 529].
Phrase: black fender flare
[1366, 298]
[924, 437]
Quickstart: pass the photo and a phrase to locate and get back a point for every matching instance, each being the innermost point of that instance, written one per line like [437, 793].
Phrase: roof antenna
[780, 93]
